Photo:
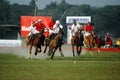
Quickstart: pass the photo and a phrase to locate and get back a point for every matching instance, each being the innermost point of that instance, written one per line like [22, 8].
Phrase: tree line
[105, 19]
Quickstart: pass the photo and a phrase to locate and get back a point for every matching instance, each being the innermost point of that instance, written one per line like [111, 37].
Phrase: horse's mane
[58, 36]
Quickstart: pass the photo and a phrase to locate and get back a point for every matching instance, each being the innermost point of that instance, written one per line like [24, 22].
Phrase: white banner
[79, 19]
[11, 43]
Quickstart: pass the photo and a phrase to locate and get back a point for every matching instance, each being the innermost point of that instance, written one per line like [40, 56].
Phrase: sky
[42, 3]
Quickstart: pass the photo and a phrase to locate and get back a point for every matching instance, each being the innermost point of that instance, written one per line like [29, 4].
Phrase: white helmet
[39, 20]
[57, 22]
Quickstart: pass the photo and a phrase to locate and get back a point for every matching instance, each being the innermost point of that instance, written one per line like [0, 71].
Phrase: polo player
[74, 28]
[39, 29]
[56, 28]
[87, 31]
[32, 31]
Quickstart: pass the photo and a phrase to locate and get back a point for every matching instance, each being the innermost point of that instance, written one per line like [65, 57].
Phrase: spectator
[108, 41]
[117, 44]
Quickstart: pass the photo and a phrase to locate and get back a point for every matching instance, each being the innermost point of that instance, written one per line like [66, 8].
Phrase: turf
[103, 66]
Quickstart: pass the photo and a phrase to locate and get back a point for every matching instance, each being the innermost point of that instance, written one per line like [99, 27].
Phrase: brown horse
[55, 44]
[78, 41]
[36, 42]
[90, 41]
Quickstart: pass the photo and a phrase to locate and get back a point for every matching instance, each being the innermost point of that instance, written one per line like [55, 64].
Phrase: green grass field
[103, 66]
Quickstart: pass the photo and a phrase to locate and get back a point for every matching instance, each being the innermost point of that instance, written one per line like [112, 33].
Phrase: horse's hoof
[44, 52]
[30, 58]
[35, 53]
[40, 51]
[51, 58]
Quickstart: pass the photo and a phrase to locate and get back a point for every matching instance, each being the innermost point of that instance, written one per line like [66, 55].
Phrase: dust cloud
[23, 52]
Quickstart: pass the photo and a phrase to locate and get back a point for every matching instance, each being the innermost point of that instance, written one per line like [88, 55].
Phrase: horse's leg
[91, 53]
[72, 43]
[30, 57]
[54, 50]
[45, 46]
[50, 50]
[79, 50]
[40, 49]
[98, 48]
[36, 50]
[73, 50]
[45, 49]
[60, 49]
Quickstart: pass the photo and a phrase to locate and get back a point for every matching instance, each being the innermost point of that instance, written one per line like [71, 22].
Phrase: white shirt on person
[56, 28]
[32, 30]
[74, 28]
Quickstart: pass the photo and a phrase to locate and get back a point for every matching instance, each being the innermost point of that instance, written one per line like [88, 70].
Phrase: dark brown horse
[55, 44]
[36, 42]
[78, 41]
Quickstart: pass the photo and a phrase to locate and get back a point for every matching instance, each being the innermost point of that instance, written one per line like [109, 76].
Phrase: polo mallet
[63, 15]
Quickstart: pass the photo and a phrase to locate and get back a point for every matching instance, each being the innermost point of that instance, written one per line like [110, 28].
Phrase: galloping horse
[78, 41]
[90, 41]
[36, 42]
[55, 44]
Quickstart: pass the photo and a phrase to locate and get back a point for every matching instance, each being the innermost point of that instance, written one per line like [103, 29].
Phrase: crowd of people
[55, 26]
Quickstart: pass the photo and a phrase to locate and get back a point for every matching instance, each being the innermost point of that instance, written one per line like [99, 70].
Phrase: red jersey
[107, 37]
[39, 26]
[51, 24]
[88, 28]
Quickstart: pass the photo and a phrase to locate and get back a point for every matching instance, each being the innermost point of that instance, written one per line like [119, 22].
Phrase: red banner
[26, 23]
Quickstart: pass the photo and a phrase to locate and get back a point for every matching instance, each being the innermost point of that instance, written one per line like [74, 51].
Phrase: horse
[55, 44]
[78, 41]
[90, 41]
[47, 41]
[36, 42]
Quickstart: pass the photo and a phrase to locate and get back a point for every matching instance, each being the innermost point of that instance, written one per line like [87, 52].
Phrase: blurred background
[105, 14]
